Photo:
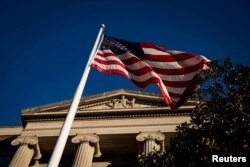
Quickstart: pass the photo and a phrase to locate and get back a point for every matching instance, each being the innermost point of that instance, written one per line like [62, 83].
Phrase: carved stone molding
[122, 102]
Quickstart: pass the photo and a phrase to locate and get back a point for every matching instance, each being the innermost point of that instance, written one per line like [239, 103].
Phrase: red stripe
[169, 58]
[146, 82]
[141, 71]
[131, 60]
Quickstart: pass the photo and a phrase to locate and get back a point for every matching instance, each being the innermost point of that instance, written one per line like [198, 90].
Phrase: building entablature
[115, 104]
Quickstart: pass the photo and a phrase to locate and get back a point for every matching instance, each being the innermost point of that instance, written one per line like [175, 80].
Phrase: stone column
[28, 149]
[87, 149]
[151, 141]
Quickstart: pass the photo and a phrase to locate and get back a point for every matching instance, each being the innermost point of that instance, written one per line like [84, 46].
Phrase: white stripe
[126, 56]
[136, 66]
[175, 65]
[205, 67]
[112, 67]
[176, 90]
[174, 52]
[153, 51]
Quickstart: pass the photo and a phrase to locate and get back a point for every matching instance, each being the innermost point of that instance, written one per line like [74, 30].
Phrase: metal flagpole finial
[102, 25]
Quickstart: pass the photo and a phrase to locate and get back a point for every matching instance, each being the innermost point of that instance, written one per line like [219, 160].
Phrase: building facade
[110, 130]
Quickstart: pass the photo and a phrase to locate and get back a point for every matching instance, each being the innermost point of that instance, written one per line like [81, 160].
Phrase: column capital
[144, 136]
[31, 141]
[85, 138]
[150, 141]
[91, 139]
[24, 140]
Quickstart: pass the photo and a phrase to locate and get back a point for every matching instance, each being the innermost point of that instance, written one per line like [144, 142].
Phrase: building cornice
[110, 115]
[109, 105]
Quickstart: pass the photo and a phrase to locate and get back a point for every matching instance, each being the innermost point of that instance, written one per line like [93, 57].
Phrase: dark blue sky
[44, 45]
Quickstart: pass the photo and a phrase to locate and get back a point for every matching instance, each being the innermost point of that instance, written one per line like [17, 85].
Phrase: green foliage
[156, 159]
[220, 123]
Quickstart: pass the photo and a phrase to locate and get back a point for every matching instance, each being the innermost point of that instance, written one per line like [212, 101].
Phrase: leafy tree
[220, 123]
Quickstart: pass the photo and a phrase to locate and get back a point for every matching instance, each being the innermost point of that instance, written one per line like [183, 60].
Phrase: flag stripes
[172, 71]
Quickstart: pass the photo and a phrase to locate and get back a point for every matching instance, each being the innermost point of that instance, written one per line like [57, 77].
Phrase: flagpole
[62, 139]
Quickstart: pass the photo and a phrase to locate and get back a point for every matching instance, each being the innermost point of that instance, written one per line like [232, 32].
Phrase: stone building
[110, 130]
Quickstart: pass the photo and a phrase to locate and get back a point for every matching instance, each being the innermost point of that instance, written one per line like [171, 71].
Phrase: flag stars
[113, 45]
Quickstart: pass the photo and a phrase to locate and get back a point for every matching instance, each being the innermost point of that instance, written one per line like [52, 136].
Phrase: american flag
[145, 63]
